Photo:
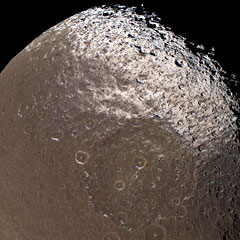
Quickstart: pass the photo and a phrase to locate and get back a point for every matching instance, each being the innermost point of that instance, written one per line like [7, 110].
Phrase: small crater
[181, 211]
[74, 133]
[142, 50]
[24, 109]
[90, 123]
[26, 129]
[42, 115]
[220, 188]
[58, 95]
[121, 121]
[219, 195]
[141, 79]
[81, 157]
[57, 135]
[134, 177]
[61, 82]
[189, 226]
[85, 214]
[153, 185]
[119, 185]
[155, 232]
[180, 62]
[62, 187]
[140, 162]
[202, 148]
[69, 95]
[3, 110]
[122, 218]
[231, 210]
[176, 201]
[105, 14]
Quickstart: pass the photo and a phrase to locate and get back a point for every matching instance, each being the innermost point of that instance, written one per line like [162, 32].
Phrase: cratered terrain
[112, 128]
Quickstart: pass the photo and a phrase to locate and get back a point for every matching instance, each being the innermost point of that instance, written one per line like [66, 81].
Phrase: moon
[112, 128]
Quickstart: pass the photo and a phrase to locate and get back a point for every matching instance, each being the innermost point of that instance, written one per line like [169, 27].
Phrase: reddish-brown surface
[71, 171]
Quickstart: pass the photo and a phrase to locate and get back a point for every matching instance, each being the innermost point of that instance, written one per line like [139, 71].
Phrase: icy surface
[162, 77]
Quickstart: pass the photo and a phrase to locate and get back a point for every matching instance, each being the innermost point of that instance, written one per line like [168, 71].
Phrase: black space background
[207, 23]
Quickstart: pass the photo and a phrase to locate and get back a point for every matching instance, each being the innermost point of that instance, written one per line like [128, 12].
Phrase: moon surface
[112, 128]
